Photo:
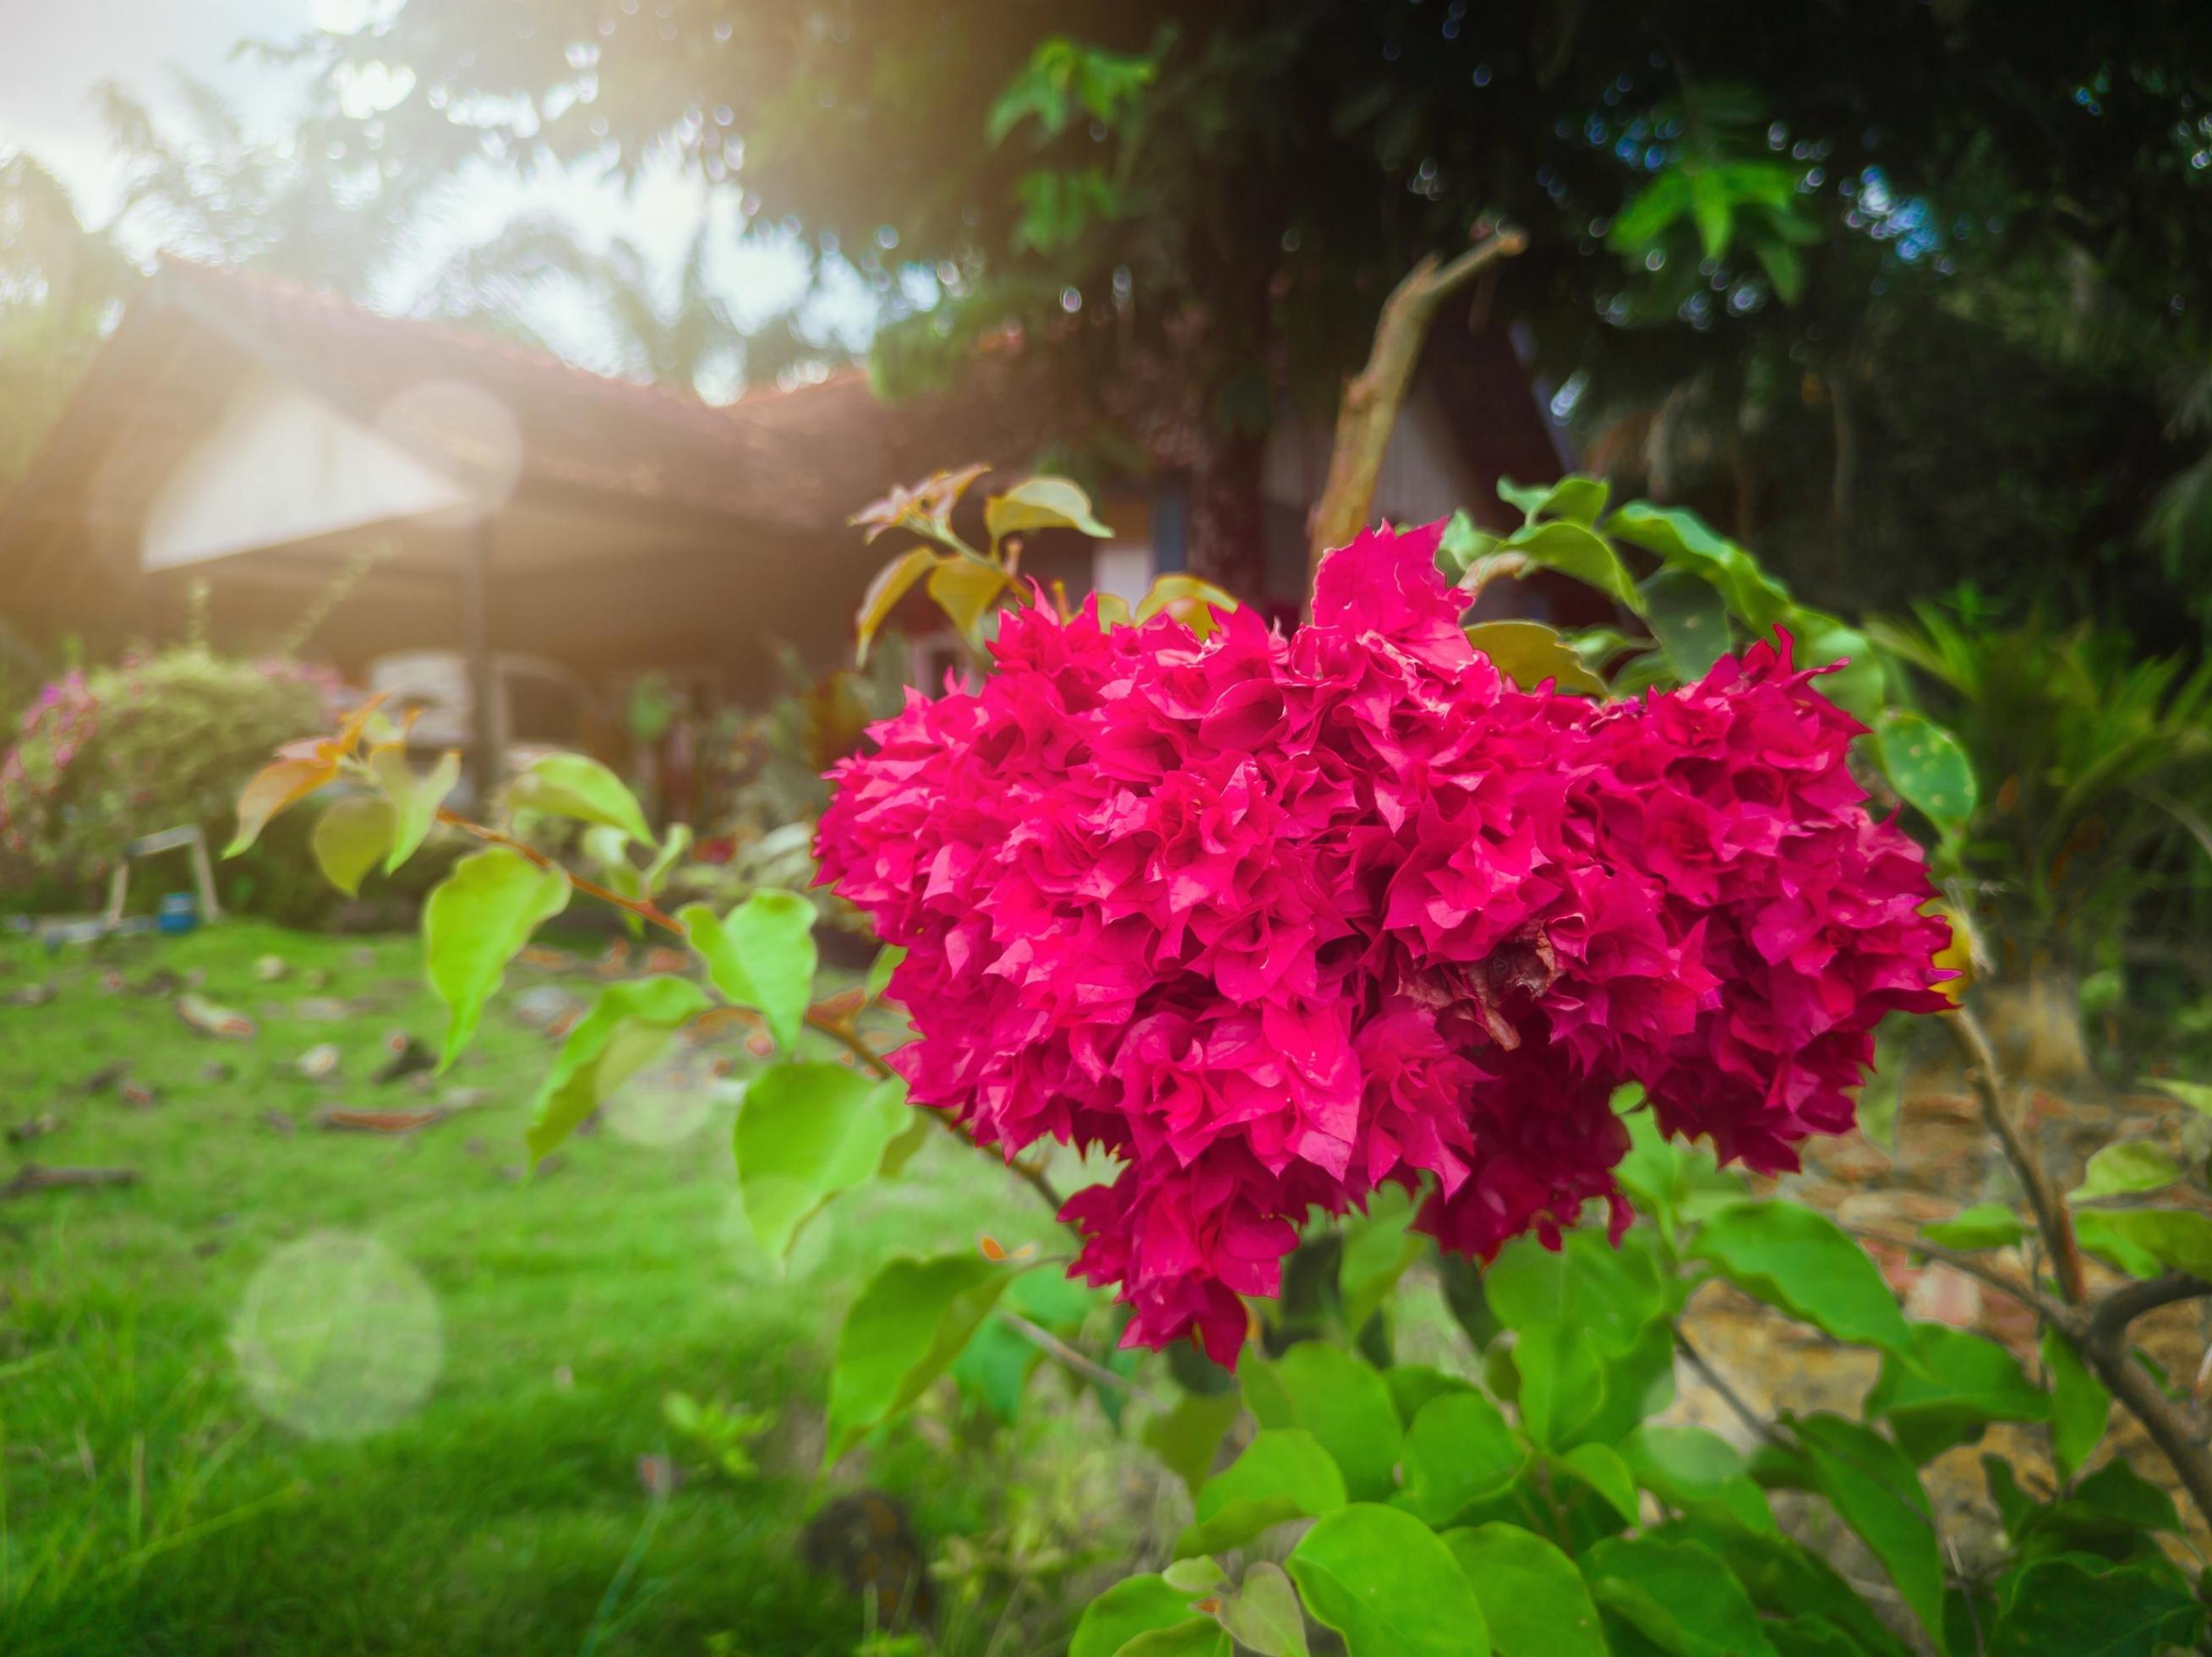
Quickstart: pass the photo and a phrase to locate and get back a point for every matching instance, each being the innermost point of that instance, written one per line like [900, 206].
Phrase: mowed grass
[151, 1507]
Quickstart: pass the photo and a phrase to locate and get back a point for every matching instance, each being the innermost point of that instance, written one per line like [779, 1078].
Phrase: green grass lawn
[151, 1507]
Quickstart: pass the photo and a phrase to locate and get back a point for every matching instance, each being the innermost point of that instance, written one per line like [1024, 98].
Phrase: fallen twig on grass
[32, 1178]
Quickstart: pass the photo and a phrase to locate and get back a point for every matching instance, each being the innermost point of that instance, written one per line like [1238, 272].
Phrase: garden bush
[155, 742]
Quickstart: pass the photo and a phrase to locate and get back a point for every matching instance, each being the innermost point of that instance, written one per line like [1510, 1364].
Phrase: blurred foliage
[1806, 269]
[156, 743]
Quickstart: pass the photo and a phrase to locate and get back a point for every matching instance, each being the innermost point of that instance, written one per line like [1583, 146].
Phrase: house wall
[282, 465]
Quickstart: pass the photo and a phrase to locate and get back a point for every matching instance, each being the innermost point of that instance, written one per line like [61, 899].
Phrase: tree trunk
[1228, 538]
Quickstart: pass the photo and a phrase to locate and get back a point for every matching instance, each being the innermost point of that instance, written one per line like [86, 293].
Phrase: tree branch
[1373, 397]
[2050, 1217]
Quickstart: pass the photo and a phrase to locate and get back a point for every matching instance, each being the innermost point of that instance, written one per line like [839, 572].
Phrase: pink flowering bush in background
[1277, 921]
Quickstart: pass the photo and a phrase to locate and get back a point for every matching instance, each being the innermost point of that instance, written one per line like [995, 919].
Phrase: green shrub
[152, 743]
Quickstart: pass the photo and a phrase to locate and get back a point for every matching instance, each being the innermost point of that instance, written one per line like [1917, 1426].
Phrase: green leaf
[1462, 544]
[1198, 1636]
[1646, 215]
[1041, 504]
[2170, 1237]
[1952, 1386]
[2125, 1168]
[1382, 1579]
[1188, 1436]
[1264, 1614]
[2097, 1231]
[1571, 1311]
[414, 799]
[2068, 1605]
[1677, 1594]
[1811, 1637]
[1638, 1385]
[2079, 1405]
[880, 969]
[1784, 267]
[805, 1133]
[1414, 1385]
[1284, 1473]
[350, 838]
[1601, 1467]
[1458, 1451]
[1689, 617]
[1527, 499]
[1574, 550]
[1855, 687]
[474, 922]
[1691, 1469]
[672, 848]
[1683, 540]
[1377, 1249]
[1790, 1256]
[903, 1331]
[905, 1145]
[1986, 1224]
[575, 786]
[624, 1031]
[1674, 1183]
[965, 588]
[1532, 1596]
[2197, 1095]
[892, 583]
[1138, 1605]
[1577, 498]
[1876, 1491]
[762, 956]
[1343, 1402]
[1529, 653]
[1196, 1577]
[1926, 765]
[1783, 1578]
[1714, 210]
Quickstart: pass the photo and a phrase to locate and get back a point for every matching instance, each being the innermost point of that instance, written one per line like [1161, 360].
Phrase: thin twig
[644, 908]
[2110, 1318]
[1969, 1266]
[1750, 1417]
[2051, 1218]
[1045, 1341]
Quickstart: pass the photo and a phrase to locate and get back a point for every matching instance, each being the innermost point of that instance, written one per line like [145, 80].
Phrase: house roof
[796, 461]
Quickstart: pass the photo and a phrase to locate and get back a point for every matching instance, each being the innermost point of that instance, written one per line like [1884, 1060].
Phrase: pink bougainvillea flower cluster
[1279, 920]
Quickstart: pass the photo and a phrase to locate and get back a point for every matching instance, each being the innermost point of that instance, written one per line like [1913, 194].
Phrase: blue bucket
[179, 912]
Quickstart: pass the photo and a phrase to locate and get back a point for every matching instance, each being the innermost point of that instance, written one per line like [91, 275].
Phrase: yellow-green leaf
[477, 920]
[575, 786]
[1041, 504]
[965, 589]
[908, 1326]
[1188, 600]
[891, 584]
[762, 956]
[351, 837]
[414, 799]
[805, 1133]
[2125, 1168]
[1528, 653]
[625, 1030]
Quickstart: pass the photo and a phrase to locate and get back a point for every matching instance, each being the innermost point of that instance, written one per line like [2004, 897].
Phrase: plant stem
[2037, 1302]
[2099, 1332]
[644, 908]
[2051, 1218]
[1054, 1347]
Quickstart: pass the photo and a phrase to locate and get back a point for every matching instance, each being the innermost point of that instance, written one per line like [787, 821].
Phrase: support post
[483, 681]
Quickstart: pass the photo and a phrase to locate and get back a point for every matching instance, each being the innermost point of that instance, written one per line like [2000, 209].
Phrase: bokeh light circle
[338, 1337]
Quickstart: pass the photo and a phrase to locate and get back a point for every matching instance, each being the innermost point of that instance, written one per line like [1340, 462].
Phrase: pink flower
[1277, 921]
